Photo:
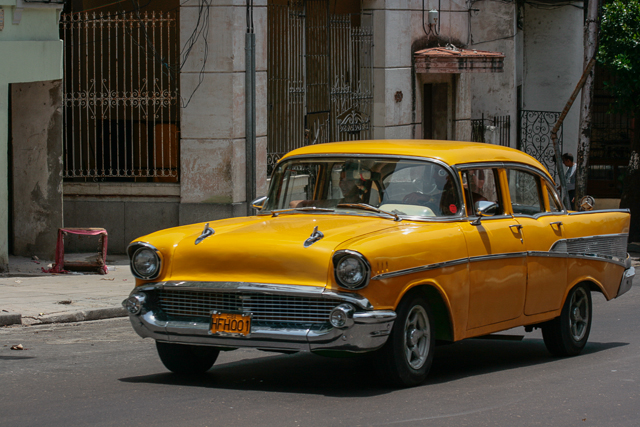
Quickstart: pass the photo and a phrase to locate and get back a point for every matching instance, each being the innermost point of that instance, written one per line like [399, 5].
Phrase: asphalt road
[102, 374]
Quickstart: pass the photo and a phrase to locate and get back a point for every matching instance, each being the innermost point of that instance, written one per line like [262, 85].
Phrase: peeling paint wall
[213, 123]
[30, 51]
[36, 112]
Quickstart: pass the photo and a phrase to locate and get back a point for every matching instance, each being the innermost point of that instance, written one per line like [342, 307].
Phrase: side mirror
[587, 203]
[484, 208]
[259, 202]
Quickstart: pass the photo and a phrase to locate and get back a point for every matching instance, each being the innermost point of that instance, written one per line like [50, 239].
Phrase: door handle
[558, 223]
[516, 226]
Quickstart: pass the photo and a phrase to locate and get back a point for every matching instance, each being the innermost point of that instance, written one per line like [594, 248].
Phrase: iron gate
[120, 96]
[498, 131]
[535, 137]
[320, 76]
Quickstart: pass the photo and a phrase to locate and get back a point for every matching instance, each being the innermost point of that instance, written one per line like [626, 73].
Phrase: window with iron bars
[120, 100]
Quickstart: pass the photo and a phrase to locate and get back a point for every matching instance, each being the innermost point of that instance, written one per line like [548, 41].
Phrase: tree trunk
[584, 138]
[631, 188]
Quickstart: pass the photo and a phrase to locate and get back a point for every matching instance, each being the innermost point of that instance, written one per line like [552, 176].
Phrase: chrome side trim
[546, 254]
[599, 211]
[265, 288]
[422, 268]
[591, 257]
[498, 256]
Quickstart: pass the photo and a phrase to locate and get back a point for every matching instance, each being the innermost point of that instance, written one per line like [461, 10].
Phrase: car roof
[450, 152]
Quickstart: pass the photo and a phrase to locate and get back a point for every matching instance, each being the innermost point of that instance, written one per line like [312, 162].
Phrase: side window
[525, 191]
[553, 199]
[481, 185]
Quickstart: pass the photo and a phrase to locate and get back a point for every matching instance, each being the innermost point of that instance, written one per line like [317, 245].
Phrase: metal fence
[535, 137]
[495, 131]
[120, 96]
[320, 76]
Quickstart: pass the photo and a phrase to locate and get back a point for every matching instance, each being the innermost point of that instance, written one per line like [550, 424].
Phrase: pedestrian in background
[570, 174]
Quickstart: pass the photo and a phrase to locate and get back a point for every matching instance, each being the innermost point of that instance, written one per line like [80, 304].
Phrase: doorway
[435, 111]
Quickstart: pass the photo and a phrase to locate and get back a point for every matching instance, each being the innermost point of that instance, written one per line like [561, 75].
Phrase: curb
[81, 316]
[10, 319]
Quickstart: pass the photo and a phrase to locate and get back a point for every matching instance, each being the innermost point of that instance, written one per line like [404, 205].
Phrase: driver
[352, 183]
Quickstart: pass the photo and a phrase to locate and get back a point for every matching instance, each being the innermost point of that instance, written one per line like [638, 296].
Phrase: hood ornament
[208, 231]
[315, 236]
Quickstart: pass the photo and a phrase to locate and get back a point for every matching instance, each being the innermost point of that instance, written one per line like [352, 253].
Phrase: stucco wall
[398, 31]
[30, 51]
[493, 28]
[553, 63]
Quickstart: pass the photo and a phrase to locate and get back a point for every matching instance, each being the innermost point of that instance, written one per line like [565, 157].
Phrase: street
[101, 373]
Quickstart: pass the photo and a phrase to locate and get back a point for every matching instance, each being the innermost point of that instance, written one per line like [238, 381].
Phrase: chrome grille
[599, 245]
[266, 309]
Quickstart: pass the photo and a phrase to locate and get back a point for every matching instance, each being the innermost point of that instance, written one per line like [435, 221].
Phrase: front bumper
[366, 330]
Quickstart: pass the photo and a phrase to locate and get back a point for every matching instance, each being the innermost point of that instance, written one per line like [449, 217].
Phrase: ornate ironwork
[120, 96]
[535, 137]
[320, 76]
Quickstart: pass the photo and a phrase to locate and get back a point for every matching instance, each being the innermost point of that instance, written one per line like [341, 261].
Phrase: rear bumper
[627, 279]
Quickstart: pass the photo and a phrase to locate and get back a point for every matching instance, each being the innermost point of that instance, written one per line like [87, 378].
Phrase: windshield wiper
[302, 209]
[370, 208]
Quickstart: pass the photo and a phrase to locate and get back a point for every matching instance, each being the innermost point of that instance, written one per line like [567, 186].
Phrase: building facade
[162, 126]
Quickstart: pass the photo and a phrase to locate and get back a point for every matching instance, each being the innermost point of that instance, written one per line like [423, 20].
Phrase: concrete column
[4, 185]
[462, 95]
[392, 74]
[212, 85]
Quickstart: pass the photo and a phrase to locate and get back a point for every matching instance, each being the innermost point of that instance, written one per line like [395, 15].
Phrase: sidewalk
[28, 296]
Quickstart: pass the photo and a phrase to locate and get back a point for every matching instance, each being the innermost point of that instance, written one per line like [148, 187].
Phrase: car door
[497, 258]
[536, 207]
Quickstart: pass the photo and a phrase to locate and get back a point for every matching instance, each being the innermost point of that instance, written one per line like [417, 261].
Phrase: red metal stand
[101, 260]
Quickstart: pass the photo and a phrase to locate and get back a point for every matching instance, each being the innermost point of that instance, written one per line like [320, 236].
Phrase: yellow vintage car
[385, 247]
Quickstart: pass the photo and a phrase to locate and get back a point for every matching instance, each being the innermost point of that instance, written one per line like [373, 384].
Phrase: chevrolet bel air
[381, 247]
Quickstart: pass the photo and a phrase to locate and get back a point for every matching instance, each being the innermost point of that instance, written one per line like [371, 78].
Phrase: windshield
[401, 187]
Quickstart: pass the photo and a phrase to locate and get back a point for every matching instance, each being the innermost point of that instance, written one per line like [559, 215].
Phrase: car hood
[267, 249]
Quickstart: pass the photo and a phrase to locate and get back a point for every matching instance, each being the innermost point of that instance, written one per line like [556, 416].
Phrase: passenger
[443, 201]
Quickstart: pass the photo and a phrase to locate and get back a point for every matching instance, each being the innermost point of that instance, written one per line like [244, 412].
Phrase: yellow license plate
[230, 323]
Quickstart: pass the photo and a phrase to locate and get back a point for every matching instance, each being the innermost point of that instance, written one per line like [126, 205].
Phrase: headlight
[145, 263]
[352, 270]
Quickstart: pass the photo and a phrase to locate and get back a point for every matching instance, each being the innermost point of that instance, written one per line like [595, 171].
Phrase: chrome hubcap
[579, 314]
[417, 337]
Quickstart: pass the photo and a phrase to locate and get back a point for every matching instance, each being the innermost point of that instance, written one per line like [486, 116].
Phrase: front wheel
[186, 359]
[567, 335]
[406, 357]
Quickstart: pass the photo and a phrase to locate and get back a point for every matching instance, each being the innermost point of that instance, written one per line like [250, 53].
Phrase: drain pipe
[554, 132]
[250, 108]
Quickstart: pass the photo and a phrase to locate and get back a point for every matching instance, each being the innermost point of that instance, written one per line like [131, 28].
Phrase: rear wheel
[186, 359]
[406, 357]
[568, 334]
